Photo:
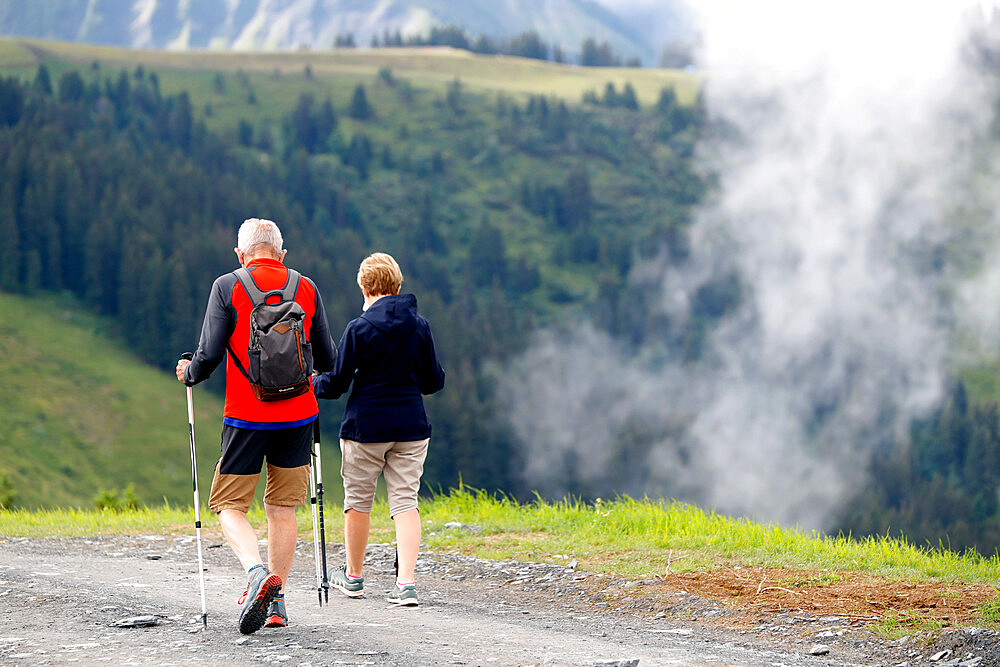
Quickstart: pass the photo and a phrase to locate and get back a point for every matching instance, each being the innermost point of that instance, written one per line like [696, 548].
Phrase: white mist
[857, 126]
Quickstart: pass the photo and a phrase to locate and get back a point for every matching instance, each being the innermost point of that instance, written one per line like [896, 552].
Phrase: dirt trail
[57, 597]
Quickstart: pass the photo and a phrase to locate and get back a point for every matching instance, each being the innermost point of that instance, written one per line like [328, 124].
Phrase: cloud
[856, 132]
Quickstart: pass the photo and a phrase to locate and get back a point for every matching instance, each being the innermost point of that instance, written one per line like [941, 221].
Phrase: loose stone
[147, 621]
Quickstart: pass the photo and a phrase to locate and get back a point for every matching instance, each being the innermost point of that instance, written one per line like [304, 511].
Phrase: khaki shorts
[287, 451]
[401, 463]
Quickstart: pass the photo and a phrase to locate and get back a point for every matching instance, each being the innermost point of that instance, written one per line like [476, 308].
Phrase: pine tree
[32, 271]
[427, 237]
[10, 249]
[71, 87]
[101, 259]
[487, 255]
[528, 45]
[578, 199]
[11, 101]
[43, 82]
[327, 121]
[180, 122]
[628, 98]
[454, 97]
[244, 133]
[305, 132]
[359, 154]
[668, 100]
[360, 108]
[610, 98]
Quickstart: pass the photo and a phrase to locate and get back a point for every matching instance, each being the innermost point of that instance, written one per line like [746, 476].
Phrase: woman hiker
[389, 355]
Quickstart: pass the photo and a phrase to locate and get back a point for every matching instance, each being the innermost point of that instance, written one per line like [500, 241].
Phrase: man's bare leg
[407, 544]
[355, 540]
[282, 531]
[241, 537]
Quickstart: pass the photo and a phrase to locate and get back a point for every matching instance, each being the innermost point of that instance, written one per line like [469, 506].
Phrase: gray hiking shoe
[262, 587]
[407, 595]
[349, 586]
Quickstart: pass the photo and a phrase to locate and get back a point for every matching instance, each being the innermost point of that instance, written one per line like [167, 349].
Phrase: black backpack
[280, 356]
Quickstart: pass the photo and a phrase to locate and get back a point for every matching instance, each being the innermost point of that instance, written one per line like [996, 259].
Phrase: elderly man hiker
[265, 417]
[389, 355]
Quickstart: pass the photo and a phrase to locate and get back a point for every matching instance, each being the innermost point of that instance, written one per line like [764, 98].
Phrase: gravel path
[58, 596]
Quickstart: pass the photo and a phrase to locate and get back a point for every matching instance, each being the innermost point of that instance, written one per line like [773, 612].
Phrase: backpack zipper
[298, 344]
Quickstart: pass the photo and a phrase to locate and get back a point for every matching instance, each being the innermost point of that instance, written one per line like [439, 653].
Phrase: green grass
[638, 538]
[163, 519]
[80, 413]
[626, 537]
[897, 624]
[989, 612]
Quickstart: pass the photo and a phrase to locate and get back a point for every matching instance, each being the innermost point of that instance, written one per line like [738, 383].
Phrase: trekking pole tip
[204, 620]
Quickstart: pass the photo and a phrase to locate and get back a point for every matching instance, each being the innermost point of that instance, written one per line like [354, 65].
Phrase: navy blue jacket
[389, 354]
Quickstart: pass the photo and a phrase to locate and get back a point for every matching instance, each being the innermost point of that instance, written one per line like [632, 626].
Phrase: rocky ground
[60, 599]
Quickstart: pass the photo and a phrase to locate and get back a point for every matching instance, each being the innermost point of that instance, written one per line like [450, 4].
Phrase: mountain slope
[290, 24]
[80, 412]
[432, 67]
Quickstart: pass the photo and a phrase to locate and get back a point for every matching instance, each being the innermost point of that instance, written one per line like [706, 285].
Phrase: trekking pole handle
[190, 401]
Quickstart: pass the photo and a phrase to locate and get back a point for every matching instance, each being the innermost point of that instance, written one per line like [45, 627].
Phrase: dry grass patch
[755, 593]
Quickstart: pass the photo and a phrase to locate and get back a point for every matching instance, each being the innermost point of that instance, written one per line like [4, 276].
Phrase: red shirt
[227, 325]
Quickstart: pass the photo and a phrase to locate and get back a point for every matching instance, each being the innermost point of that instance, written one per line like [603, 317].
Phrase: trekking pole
[312, 500]
[197, 500]
[319, 498]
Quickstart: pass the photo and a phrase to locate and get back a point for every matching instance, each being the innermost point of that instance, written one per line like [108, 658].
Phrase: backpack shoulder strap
[236, 360]
[256, 295]
[291, 287]
[259, 296]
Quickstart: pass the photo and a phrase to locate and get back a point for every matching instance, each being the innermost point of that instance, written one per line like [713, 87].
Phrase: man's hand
[181, 365]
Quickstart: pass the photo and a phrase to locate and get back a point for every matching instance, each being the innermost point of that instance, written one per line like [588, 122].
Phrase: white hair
[255, 231]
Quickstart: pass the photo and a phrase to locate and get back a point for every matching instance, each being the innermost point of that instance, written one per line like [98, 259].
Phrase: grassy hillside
[80, 412]
[278, 78]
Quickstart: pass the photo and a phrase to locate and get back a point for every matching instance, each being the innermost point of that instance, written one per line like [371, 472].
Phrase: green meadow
[627, 537]
[82, 414]
[278, 78]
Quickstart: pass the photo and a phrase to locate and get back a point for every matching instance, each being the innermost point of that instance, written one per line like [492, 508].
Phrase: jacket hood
[394, 315]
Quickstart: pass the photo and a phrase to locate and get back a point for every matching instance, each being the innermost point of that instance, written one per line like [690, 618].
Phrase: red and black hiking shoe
[277, 617]
[262, 587]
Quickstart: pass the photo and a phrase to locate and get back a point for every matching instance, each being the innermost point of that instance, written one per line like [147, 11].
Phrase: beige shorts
[401, 463]
[285, 486]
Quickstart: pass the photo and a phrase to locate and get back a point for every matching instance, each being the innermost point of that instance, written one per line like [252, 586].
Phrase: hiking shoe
[277, 617]
[406, 595]
[262, 586]
[349, 586]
